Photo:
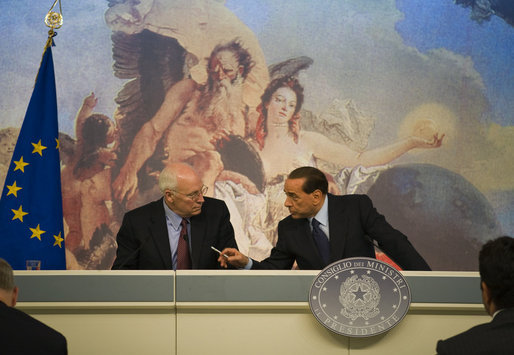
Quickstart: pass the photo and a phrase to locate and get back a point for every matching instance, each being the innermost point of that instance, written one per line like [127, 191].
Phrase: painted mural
[409, 102]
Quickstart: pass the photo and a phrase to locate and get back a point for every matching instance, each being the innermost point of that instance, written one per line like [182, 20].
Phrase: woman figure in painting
[87, 178]
[283, 146]
[281, 104]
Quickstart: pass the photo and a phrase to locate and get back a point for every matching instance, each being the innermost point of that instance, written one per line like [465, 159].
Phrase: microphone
[131, 255]
[184, 233]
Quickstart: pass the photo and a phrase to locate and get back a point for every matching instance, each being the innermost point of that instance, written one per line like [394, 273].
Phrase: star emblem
[38, 148]
[13, 189]
[56, 143]
[20, 165]
[19, 213]
[359, 294]
[58, 240]
[36, 232]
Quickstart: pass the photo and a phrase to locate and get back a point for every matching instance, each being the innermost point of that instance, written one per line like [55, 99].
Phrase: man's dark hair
[315, 179]
[496, 266]
[243, 56]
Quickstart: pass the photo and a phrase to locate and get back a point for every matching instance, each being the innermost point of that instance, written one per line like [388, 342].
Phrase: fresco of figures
[408, 102]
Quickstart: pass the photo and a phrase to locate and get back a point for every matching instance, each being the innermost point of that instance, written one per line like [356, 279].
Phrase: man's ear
[14, 296]
[241, 69]
[486, 298]
[317, 194]
[168, 196]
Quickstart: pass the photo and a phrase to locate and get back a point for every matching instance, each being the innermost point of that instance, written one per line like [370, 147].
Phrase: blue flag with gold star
[31, 226]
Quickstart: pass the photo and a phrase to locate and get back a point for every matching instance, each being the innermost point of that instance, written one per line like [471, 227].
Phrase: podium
[232, 311]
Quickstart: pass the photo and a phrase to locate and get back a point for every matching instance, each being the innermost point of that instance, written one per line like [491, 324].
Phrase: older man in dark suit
[496, 267]
[324, 228]
[19, 332]
[178, 230]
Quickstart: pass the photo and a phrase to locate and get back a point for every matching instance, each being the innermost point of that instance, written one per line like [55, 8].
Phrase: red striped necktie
[183, 256]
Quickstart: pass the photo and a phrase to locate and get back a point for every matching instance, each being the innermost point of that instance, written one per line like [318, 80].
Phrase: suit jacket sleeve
[128, 245]
[142, 240]
[281, 257]
[391, 241]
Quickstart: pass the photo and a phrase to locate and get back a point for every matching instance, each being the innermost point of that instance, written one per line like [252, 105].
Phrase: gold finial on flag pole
[53, 20]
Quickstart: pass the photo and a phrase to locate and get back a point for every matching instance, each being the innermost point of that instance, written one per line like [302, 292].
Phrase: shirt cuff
[249, 265]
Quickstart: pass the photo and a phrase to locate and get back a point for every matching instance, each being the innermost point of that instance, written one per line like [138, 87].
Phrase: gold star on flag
[13, 189]
[57, 143]
[18, 214]
[36, 232]
[38, 148]
[20, 165]
[58, 240]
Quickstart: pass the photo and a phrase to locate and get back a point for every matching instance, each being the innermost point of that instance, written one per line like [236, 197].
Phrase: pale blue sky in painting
[434, 24]
[425, 25]
[429, 25]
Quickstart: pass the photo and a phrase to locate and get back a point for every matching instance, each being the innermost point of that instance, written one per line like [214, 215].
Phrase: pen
[219, 252]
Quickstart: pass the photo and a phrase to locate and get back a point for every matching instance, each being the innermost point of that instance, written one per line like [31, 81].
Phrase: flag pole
[53, 20]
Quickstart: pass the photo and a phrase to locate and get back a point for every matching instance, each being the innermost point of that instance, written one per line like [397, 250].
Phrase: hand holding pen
[231, 256]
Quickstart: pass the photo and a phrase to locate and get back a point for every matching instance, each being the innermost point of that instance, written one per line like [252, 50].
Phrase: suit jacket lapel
[338, 221]
[159, 231]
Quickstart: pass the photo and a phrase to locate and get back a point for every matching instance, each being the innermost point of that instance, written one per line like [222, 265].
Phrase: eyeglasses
[195, 195]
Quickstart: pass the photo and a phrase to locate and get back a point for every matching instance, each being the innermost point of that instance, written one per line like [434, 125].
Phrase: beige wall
[251, 328]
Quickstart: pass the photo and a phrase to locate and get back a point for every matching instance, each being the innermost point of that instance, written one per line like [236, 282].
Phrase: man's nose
[220, 73]
[287, 202]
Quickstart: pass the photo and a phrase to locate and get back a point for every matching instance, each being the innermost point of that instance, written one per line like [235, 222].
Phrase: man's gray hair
[6, 276]
[167, 180]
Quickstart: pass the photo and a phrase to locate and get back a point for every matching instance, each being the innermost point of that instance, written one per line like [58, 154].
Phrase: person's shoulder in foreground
[19, 332]
[496, 267]
[23, 334]
[491, 338]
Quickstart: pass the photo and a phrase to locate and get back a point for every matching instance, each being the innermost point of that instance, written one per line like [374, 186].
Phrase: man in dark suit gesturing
[178, 230]
[496, 267]
[324, 228]
[19, 332]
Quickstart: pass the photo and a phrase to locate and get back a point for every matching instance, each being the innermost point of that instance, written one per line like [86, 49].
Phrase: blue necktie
[321, 241]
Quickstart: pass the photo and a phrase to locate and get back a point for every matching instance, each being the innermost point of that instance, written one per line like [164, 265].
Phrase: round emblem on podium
[359, 297]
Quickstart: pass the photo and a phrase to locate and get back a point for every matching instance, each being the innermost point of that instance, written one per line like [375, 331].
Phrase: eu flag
[31, 227]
